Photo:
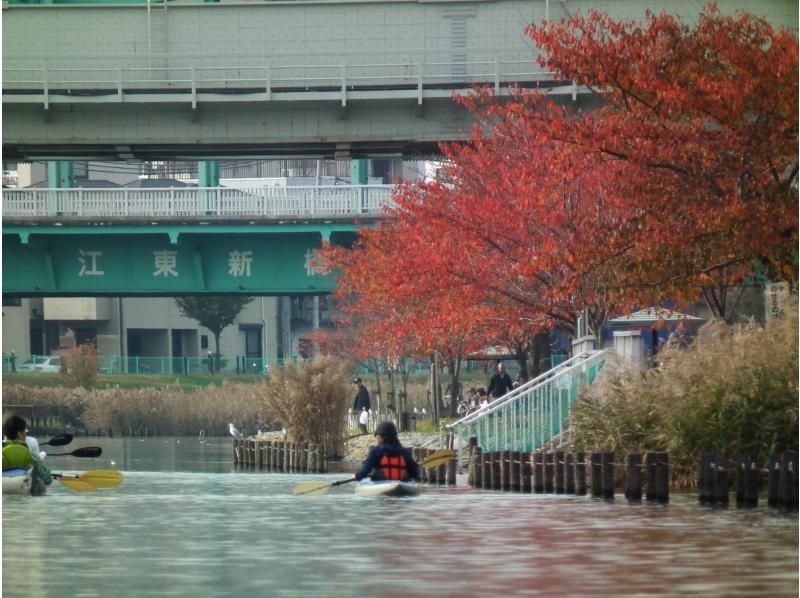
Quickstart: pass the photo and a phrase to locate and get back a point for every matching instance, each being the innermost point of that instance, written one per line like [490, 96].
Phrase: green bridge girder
[162, 260]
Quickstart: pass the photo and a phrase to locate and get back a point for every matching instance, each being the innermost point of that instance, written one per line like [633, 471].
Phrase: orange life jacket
[393, 468]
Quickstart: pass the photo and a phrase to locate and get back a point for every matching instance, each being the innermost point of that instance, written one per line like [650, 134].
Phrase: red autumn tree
[704, 119]
[680, 182]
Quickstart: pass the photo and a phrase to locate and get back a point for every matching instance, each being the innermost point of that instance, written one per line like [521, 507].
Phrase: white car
[41, 364]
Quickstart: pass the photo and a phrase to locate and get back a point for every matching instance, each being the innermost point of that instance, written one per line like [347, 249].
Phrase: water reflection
[183, 525]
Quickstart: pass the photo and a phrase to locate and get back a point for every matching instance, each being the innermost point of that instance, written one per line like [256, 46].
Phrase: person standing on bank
[500, 383]
[388, 459]
[362, 397]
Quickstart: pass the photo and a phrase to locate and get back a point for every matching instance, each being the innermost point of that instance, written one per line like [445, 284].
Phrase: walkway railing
[193, 202]
[533, 414]
[126, 364]
[120, 79]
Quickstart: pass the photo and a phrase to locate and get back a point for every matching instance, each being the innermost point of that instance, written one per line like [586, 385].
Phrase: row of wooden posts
[279, 456]
[716, 475]
[559, 472]
[307, 457]
[441, 475]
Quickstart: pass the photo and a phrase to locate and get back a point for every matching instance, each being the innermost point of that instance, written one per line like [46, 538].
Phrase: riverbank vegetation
[733, 391]
[679, 184]
[311, 401]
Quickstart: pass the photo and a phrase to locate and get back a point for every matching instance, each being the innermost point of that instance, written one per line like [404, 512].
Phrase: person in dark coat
[500, 383]
[388, 459]
[362, 397]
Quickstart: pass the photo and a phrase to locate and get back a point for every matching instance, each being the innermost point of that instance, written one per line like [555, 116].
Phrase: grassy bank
[733, 392]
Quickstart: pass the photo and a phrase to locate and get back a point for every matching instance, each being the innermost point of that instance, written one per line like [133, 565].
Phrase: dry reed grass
[734, 391]
[163, 411]
[311, 401]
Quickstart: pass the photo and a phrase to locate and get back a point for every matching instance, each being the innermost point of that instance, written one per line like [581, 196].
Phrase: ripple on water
[213, 534]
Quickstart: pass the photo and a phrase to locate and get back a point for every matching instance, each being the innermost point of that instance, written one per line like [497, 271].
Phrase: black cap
[386, 429]
[357, 380]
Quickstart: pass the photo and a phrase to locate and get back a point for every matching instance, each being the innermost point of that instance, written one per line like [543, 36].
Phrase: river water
[183, 523]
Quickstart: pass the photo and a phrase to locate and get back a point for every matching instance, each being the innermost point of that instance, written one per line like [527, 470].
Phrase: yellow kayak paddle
[90, 481]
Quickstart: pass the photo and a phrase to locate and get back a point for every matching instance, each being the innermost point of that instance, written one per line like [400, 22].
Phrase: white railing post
[269, 84]
[127, 200]
[45, 89]
[80, 201]
[496, 77]
[344, 85]
[420, 76]
[194, 87]
[119, 84]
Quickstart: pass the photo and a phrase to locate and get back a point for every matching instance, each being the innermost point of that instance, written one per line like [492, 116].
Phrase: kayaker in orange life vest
[388, 459]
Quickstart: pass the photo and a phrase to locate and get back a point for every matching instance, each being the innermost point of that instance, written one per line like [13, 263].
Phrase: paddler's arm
[369, 464]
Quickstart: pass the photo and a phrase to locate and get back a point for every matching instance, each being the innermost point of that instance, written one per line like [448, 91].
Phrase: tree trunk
[376, 403]
[215, 362]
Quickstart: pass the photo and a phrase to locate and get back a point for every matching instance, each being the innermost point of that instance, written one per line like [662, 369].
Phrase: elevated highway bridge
[310, 78]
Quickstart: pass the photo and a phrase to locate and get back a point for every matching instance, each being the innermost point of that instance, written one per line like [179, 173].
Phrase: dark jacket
[362, 399]
[372, 463]
[499, 385]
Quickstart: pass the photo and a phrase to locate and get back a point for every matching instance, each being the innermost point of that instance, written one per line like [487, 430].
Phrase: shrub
[311, 401]
[79, 366]
[734, 391]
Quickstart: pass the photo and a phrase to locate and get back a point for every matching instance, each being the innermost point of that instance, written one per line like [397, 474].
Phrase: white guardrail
[128, 79]
[180, 202]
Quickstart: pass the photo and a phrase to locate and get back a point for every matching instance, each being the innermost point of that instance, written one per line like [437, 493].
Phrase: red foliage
[682, 180]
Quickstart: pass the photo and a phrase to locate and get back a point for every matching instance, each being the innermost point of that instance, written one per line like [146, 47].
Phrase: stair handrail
[556, 372]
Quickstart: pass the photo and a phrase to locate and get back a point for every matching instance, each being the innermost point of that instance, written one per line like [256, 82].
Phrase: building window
[204, 341]
[11, 301]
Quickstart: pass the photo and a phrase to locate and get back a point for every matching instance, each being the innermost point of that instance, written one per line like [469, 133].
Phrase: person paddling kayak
[388, 459]
[17, 454]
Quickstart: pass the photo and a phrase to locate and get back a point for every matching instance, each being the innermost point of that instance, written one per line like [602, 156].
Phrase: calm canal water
[184, 524]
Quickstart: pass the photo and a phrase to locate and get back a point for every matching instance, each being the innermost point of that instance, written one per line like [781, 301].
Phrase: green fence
[146, 365]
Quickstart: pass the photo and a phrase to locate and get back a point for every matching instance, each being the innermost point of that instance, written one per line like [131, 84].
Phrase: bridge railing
[181, 202]
[535, 413]
[130, 78]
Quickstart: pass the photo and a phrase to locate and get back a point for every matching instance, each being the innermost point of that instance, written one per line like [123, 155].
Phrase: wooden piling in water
[607, 475]
[450, 473]
[787, 486]
[597, 474]
[514, 466]
[569, 473]
[721, 491]
[549, 472]
[526, 472]
[476, 467]
[538, 472]
[486, 471]
[505, 470]
[580, 474]
[633, 477]
[558, 468]
[773, 479]
[747, 475]
[472, 446]
[657, 465]
[497, 483]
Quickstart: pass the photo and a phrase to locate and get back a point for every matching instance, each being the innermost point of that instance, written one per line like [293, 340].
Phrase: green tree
[215, 313]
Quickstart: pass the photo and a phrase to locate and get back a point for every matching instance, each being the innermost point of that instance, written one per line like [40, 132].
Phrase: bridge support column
[60, 175]
[208, 177]
[358, 176]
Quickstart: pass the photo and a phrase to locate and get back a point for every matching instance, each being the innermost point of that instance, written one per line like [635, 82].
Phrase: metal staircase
[530, 416]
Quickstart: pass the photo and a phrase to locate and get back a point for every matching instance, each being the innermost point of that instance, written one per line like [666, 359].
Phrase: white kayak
[387, 488]
[17, 481]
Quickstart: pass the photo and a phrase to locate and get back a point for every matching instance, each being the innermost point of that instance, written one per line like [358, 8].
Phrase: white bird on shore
[234, 432]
